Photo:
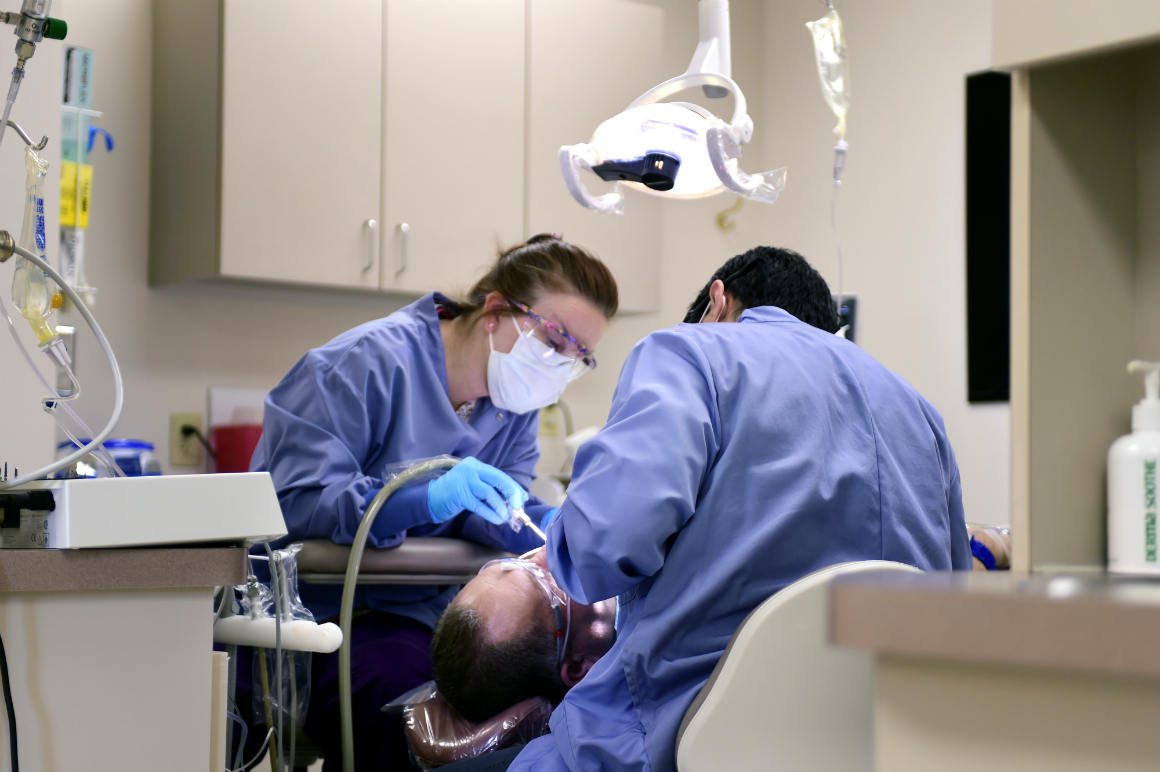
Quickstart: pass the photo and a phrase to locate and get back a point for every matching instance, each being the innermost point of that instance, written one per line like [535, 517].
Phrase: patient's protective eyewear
[556, 597]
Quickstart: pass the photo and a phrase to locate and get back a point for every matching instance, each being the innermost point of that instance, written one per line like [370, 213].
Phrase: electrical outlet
[184, 451]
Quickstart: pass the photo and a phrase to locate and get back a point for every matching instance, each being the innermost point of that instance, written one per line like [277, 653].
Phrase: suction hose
[348, 590]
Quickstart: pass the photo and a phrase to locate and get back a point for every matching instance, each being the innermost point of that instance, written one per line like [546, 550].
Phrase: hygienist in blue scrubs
[437, 377]
[737, 458]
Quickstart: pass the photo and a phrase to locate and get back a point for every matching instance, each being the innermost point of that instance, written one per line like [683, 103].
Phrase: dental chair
[781, 697]
[417, 561]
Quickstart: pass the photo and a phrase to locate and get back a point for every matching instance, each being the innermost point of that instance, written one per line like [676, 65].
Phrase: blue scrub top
[737, 458]
[372, 397]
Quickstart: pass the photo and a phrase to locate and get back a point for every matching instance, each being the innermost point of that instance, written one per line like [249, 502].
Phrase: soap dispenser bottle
[1133, 536]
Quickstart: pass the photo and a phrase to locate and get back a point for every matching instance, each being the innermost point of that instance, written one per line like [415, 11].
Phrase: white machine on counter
[135, 511]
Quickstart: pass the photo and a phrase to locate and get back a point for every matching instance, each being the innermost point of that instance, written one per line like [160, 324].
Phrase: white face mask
[528, 378]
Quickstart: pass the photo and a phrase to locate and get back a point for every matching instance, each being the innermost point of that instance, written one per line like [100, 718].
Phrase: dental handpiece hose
[348, 590]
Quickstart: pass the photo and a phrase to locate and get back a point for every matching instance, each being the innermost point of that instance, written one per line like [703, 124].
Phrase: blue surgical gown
[737, 458]
[373, 397]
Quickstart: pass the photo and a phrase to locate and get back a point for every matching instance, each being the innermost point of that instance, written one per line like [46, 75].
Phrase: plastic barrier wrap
[437, 735]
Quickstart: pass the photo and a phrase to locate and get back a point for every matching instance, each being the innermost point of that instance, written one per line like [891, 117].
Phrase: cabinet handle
[372, 244]
[404, 232]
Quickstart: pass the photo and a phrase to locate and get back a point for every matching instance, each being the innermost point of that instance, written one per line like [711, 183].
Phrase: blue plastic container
[135, 457]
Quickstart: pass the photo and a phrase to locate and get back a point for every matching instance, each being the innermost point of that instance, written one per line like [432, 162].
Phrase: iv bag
[32, 291]
[830, 46]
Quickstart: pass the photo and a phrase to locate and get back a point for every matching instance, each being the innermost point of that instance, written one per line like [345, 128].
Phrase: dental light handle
[741, 124]
[348, 589]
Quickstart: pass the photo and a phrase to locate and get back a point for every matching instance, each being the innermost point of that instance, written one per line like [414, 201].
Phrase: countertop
[42, 570]
[1089, 622]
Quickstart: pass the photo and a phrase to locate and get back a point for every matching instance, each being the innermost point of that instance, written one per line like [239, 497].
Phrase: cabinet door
[454, 141]
[301, 141]
[589, 59]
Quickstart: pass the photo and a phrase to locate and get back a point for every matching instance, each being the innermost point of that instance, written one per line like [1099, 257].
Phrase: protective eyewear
[559, 342]
[556, 597]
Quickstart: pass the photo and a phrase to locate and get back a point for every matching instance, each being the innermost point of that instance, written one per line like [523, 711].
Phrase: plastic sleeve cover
[724, 154]
[437, 735]
[576, 157]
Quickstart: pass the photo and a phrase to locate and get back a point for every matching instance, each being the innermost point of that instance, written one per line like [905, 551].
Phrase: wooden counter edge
[1086, 634]
[46, 570]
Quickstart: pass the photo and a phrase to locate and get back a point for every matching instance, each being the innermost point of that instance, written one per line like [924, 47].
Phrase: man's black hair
[774, 276]
[480, 678]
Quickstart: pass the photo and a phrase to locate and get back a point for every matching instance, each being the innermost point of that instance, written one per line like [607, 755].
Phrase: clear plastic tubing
[118, 385]
[17, 76]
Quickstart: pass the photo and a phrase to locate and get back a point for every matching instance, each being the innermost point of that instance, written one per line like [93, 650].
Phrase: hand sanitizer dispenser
[1133, 540]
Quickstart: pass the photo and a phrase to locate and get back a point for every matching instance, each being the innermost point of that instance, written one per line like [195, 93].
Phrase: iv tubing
[348, 590]
[59, 401]
[837, 245]
[276, 588]
[17, 76]
[118, 386]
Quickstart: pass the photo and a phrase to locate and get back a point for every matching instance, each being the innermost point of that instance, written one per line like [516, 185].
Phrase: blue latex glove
[548, 518]
[476, 487]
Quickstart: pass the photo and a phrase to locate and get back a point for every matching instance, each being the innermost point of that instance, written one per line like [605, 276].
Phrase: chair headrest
[438, 735]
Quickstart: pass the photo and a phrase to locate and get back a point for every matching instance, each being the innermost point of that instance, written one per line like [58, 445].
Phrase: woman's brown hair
[545, 263]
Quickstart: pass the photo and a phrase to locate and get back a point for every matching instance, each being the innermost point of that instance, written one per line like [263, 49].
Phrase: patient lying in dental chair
[511, 645]
[504, 654]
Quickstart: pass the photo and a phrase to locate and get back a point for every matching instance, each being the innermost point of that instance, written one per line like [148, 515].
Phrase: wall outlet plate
[184, 451]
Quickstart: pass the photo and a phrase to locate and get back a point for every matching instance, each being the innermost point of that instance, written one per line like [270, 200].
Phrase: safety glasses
[556, 597]
[558, 341]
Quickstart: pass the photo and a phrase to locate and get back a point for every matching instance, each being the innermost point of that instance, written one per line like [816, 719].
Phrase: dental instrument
[520, 516]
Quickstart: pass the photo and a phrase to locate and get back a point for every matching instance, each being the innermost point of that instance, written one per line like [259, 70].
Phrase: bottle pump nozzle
[1146, 412]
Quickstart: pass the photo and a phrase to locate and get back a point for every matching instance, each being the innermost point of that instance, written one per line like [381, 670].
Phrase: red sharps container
[234, 442]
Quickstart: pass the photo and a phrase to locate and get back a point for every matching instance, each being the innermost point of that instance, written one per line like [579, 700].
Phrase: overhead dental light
[675, 149]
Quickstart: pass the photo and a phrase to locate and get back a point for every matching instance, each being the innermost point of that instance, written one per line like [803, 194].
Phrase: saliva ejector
[520, 519]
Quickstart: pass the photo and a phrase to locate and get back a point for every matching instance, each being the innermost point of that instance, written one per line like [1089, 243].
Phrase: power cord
[189, 430]
[9, 707]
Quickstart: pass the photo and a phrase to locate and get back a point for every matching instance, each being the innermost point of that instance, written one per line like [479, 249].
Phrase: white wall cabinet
[300, 142]
[454, 139]
[440, 119]
[266, 142]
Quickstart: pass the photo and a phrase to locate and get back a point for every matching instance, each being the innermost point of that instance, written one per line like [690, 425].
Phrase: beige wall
[901, 217]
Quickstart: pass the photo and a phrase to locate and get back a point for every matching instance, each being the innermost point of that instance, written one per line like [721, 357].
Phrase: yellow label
[68, 193]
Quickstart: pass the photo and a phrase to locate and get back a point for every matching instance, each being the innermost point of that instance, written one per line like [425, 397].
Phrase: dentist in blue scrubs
[438, 377]
[740, 455]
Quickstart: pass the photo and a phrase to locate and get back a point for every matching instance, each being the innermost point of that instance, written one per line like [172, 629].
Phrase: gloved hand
[476, 487]
[548, 518]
